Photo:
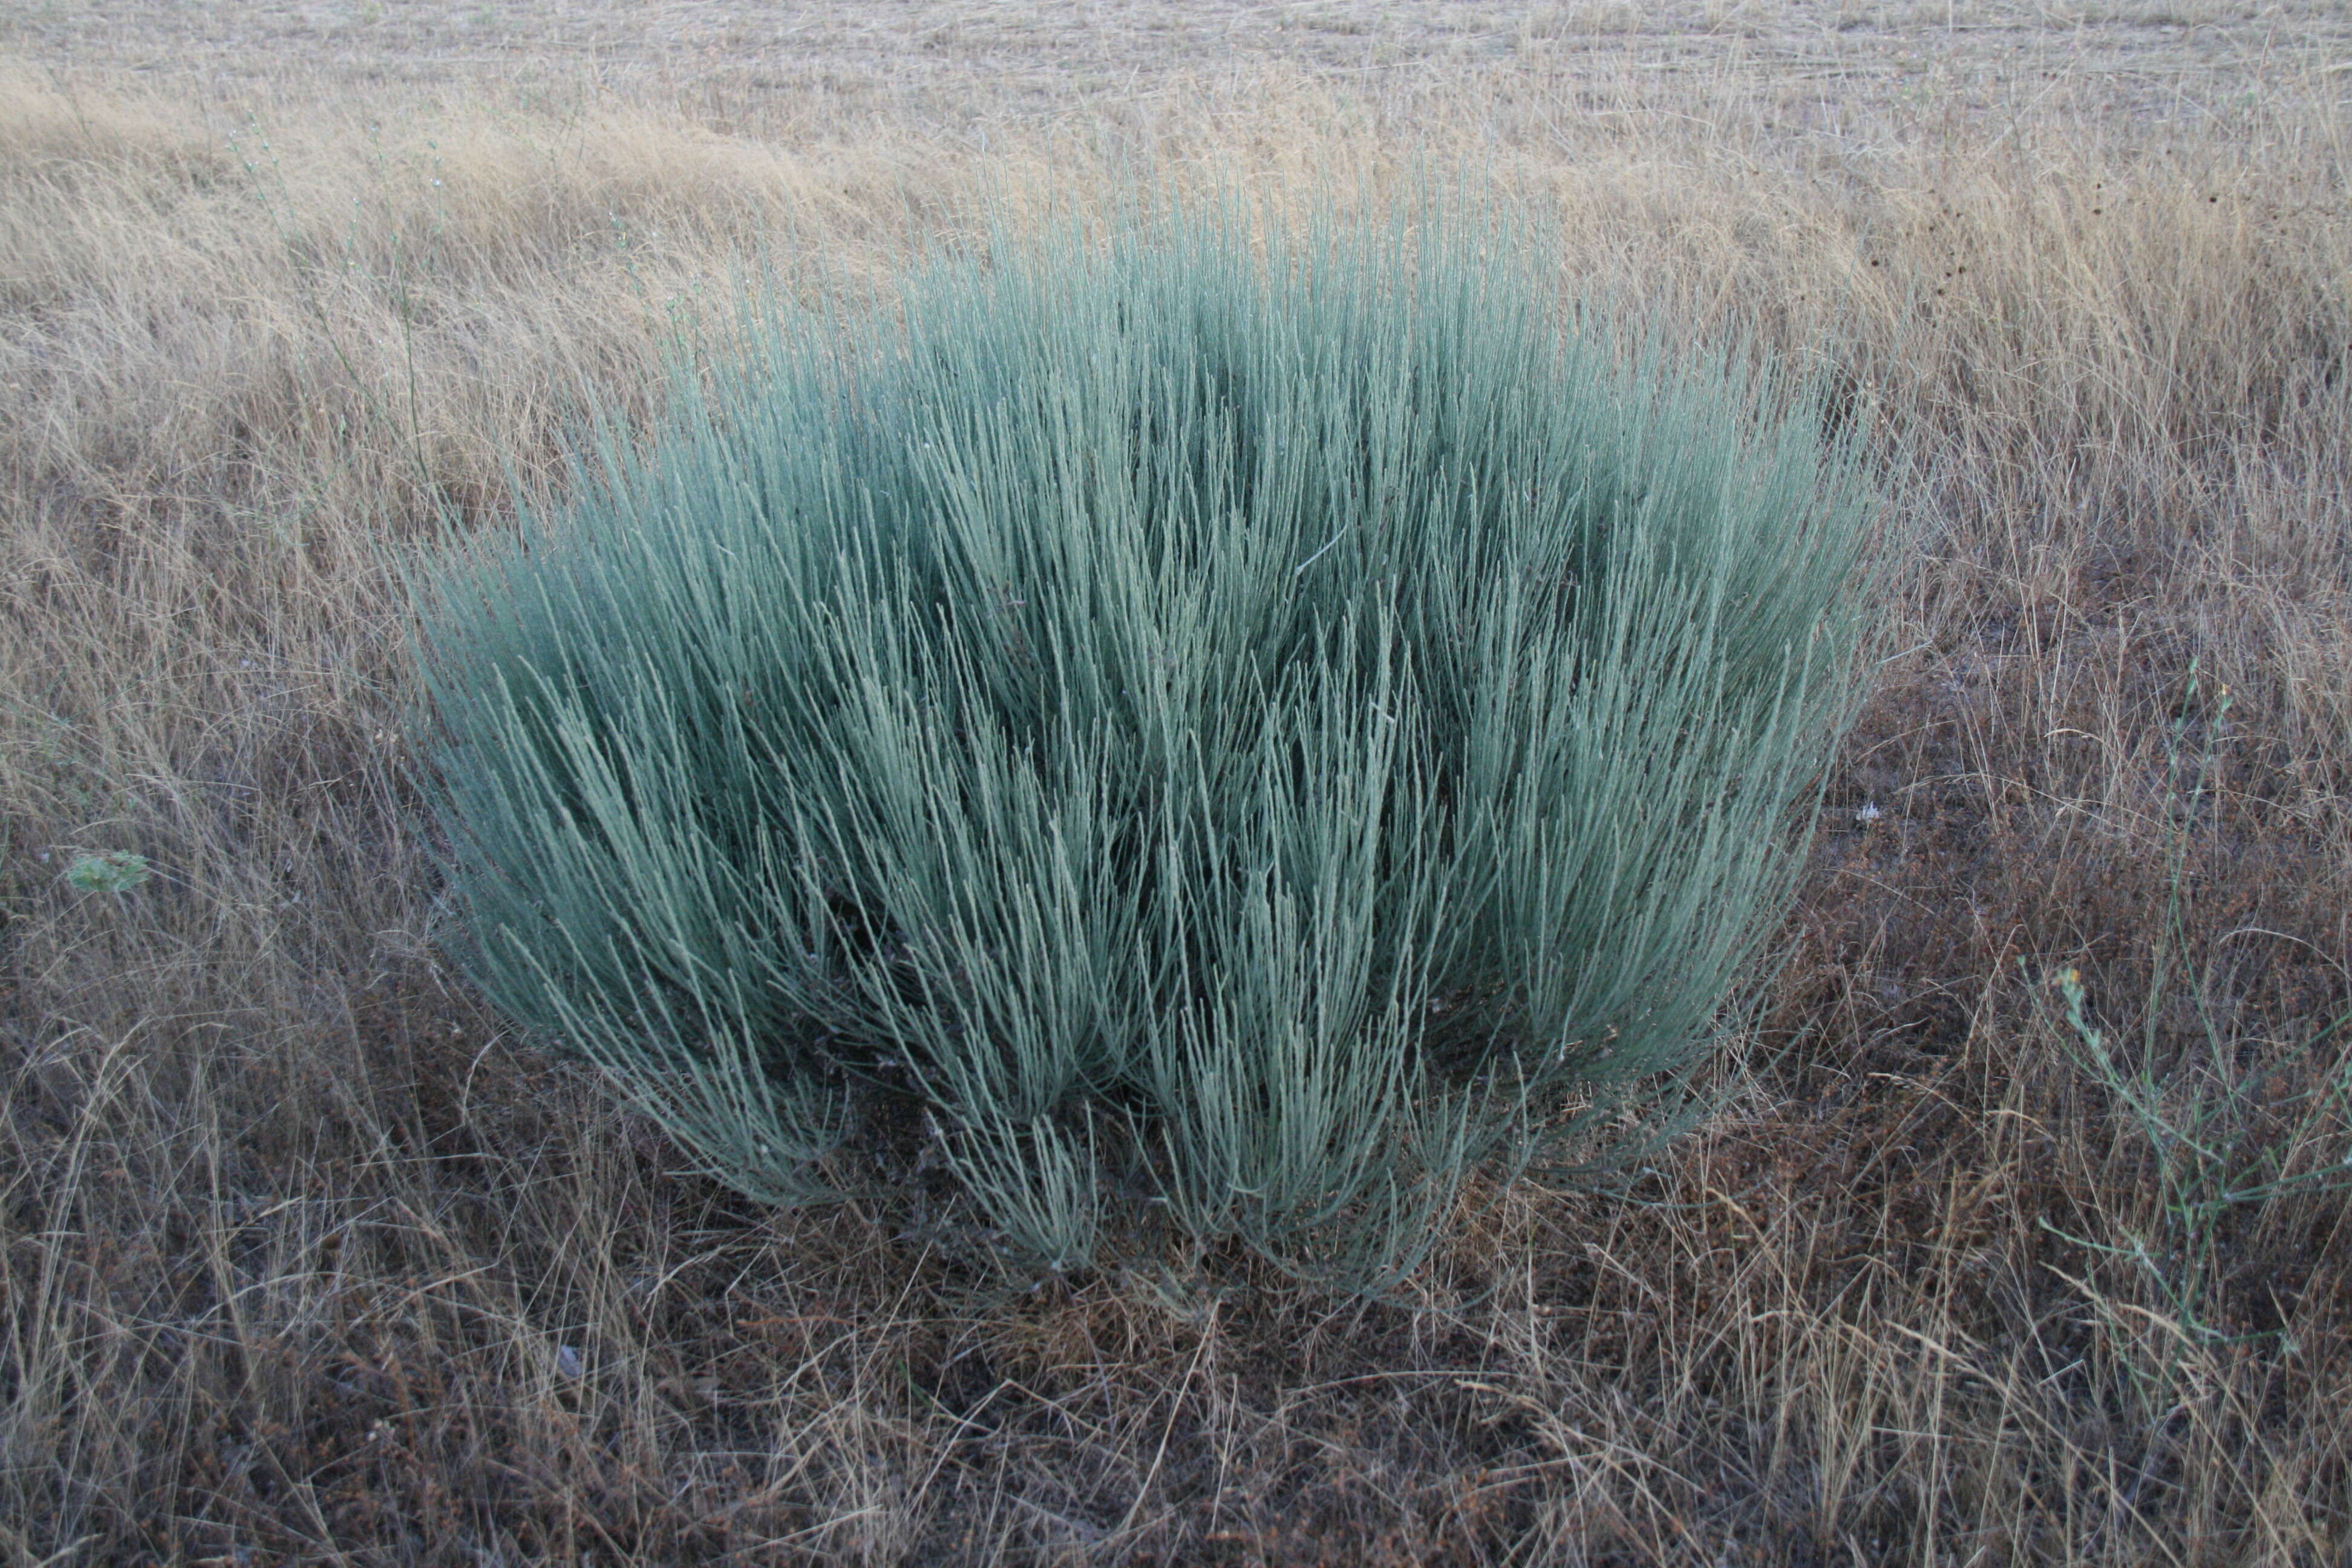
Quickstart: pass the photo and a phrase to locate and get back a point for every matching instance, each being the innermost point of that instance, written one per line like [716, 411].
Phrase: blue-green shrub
[1260, 725]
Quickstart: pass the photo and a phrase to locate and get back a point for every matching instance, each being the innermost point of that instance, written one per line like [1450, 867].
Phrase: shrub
[1250, 726]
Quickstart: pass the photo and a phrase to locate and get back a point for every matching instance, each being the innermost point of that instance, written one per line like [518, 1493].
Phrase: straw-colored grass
[302, 1258]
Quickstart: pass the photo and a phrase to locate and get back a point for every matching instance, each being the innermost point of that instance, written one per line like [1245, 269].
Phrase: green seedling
[116, 872]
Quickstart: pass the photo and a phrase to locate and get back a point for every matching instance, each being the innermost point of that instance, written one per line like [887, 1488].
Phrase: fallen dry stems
[304, 1258]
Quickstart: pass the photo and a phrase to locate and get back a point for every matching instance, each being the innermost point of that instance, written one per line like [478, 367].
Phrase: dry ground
[303, 1259]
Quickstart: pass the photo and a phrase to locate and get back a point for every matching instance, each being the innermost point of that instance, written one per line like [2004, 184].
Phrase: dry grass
[304, 1260]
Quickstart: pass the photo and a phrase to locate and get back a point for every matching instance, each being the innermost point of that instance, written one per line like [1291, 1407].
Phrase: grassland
[302, 1258]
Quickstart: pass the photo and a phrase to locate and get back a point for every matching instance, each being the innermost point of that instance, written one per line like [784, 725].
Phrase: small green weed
[2233, 1127]
[116, 872]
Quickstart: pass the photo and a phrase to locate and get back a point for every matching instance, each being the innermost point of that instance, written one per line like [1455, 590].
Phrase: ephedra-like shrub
[1199, 725]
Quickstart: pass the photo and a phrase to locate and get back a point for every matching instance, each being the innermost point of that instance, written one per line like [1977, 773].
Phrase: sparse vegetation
[306, 1258]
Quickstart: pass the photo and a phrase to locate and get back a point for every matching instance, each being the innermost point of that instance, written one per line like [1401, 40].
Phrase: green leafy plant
[116, 872]
[1239, 725]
